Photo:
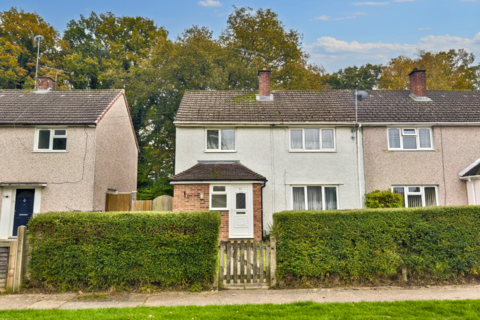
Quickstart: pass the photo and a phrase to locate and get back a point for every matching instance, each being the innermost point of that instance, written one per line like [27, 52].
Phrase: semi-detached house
[249, 155]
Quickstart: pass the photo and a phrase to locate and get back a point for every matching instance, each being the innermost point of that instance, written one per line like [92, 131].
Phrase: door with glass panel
[241, 212]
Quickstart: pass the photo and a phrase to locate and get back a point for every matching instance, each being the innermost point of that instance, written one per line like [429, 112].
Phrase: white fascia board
[258, 124]
[452, 124]
[218, 182]
[470, 178]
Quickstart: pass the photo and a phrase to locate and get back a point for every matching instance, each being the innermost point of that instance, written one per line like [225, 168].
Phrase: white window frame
[421, 193]
[320, 140]
[417, 135]
[220, 140]
[323, 194]
[226, 192]
[52, 136]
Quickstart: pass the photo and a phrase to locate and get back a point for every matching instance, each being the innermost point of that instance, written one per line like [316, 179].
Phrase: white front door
[241, 212]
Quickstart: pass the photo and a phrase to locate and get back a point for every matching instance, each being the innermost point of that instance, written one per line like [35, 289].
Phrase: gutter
[255, 124]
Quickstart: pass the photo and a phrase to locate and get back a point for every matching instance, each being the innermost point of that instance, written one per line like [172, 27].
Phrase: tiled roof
[217, 171]
[328, 106]
[54, 107]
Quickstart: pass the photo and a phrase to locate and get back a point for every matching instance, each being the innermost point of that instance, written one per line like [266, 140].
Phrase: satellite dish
[361, 95]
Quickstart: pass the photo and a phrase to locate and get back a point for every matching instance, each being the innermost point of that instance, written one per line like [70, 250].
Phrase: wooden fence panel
[118, 202]
[142, 205]
[163, 203]
[246, 263]
[4, 254]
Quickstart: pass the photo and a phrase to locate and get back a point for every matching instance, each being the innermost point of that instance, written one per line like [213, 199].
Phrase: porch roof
[218, 171]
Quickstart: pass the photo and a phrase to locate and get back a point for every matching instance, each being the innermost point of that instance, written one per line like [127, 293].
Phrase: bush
[383, 199]
[73, 250]
[437, 243]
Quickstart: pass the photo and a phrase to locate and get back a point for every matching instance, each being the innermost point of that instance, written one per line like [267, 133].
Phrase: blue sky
[337, 33]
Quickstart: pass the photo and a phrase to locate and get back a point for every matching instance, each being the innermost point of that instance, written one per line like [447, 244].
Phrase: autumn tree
[452, 70]
[18, 51]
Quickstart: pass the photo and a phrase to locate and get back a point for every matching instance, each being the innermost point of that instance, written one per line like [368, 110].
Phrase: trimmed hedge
[438, 243]
[73, 250]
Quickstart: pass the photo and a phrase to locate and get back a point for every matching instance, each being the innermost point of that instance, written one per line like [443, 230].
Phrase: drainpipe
[360, 197]
[261, 203]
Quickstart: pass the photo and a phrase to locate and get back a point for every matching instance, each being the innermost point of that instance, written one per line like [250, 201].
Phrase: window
[417, 196]
[51, 139]
[410, 139]
[312, 140]
[220, 140]
[314, 198]
[218, 197]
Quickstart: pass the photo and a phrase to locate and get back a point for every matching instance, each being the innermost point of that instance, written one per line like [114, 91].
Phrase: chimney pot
[264, 84]
[45, 83]
[418, 83]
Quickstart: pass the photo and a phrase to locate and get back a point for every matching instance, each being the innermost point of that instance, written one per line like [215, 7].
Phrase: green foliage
[383, 199]
[366, 77]
[438, 243]
[72, 250]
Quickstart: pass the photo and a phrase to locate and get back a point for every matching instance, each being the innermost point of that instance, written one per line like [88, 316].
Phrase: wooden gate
[118, 202]
[247, 264]
[163, 203]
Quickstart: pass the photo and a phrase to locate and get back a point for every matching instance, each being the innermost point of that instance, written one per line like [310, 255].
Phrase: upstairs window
[312, 140]
[51, 139]
[410, 139]
[417, 196]
[314, 198]
[221, 140]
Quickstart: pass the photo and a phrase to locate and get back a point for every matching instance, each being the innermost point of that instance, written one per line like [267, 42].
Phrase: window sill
[416, 150]
[219, 209]
[49, 151]
[221, 151]
[312, 151]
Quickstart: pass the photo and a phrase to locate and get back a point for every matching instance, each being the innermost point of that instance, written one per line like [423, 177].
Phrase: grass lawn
[464, 309]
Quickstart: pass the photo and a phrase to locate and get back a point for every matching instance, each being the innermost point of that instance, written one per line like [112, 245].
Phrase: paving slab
[238, 297]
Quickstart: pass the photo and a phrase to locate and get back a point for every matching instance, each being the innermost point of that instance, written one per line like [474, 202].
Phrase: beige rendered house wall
[116, 154]
[455, 148]
[68, 175]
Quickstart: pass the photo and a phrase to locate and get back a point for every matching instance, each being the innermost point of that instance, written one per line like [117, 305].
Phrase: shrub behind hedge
[434, 242]
[72, 250]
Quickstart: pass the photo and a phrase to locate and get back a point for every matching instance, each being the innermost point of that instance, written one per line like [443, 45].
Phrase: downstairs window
[314, 197]
[417, 196]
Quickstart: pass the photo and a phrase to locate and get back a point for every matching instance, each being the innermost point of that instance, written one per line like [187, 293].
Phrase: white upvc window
[219, 197]
[315, 197]
[410, 139]
[220, 140]
[418, 196]
[312, 139]
[51, 139]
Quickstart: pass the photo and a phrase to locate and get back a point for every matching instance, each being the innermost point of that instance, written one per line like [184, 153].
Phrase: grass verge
[461, 309]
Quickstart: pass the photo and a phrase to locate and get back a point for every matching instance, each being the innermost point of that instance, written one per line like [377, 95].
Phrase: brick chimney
[264, 85]
[45, 83]
[418, 83]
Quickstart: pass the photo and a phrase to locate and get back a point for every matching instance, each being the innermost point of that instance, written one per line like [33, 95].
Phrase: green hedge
[72, 250]
[435, 243]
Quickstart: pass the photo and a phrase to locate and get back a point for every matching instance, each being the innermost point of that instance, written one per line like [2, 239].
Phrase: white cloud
[210, 3]
[327, 18]
[334, 54]
[370, 3]
[427, 28]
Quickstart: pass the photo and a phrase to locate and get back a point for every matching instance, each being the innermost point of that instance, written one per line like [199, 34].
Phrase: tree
[383, 199]
[100, 45]
[445, 71]
[17, 30]
[366, 77]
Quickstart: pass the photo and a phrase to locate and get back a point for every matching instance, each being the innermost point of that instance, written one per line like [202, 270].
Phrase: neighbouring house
[422, 144]
[250, 154]
[62, 150]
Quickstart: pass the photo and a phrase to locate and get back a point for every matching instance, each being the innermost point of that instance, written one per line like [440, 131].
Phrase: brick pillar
[45, 83]
[418, 83]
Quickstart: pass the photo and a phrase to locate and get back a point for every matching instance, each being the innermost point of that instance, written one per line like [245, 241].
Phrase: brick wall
[186, 197]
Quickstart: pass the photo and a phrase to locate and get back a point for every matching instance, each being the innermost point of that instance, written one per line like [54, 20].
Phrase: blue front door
[23, 208]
